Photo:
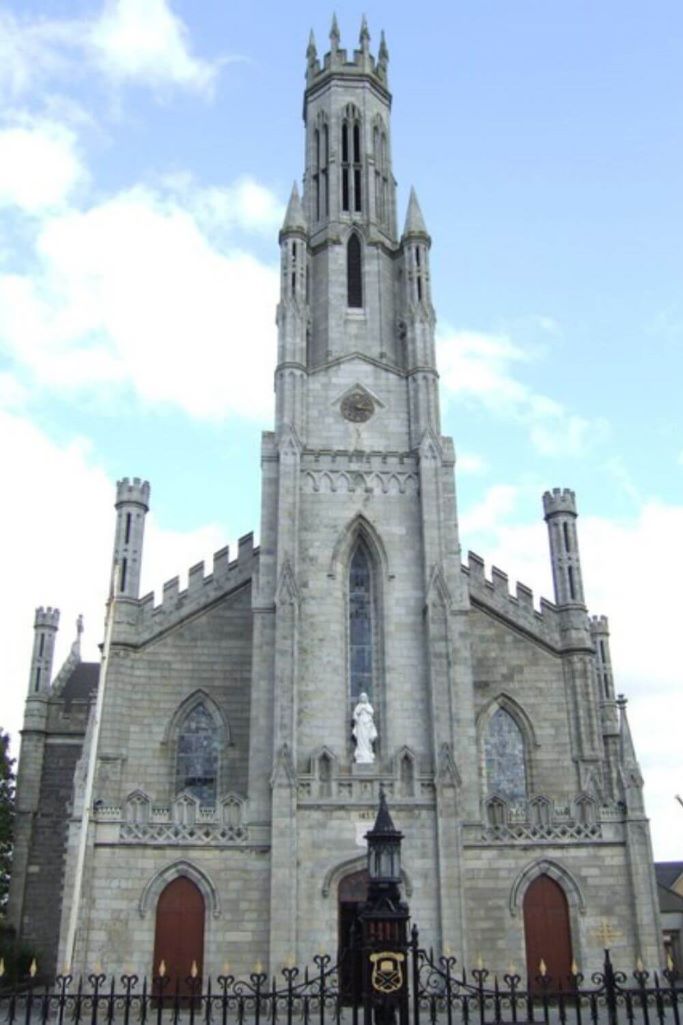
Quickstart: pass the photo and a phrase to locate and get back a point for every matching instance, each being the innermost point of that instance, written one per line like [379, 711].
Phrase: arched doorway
[179, 934]
[353, 891]
[547, 931]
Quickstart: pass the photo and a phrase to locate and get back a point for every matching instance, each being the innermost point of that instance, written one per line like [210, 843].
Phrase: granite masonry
[214, 741]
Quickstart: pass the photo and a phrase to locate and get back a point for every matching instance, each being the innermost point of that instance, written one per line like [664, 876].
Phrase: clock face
[357, 406]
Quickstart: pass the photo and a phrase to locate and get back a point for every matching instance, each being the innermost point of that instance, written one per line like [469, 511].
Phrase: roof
[82, 682]
[669, 900]
[667, 872]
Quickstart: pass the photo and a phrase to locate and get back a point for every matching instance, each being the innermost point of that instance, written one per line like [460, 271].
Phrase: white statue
[364, 730]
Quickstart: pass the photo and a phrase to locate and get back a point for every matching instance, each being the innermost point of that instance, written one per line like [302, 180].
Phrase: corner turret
[45, 626]
[418, 321]
[132, 505]
[559, 507]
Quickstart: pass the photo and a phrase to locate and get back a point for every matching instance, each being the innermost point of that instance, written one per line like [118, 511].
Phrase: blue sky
[147, 148]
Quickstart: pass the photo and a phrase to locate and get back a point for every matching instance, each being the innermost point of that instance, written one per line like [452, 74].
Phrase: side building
[242, 727]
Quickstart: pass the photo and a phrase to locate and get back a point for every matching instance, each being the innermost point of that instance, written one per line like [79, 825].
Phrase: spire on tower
[415, 224]
[311, 51]
[295, 219]
[383, 52]
[364, 37]
[334, 34]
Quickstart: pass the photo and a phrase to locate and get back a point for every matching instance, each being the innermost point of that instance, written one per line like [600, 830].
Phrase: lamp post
[383, 921]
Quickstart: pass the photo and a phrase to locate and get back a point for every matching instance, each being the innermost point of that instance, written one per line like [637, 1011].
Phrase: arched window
[360, 623]
[504, 758]
[197, 755]
[354, 272]
[321, 160]
[351, 166]
[381, 172]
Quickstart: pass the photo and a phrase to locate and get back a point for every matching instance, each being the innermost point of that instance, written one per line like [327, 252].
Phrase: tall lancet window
[321, 160]
[354, 272]
[197, 755]
[381, 173]
[504, 757]
[351, 165]
[360, 623]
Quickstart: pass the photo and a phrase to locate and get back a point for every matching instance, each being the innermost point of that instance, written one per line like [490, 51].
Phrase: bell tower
[360, 598]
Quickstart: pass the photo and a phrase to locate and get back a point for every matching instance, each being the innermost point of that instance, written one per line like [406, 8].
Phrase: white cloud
[31, 51]
[132, 291]
[39, 166]
[477, 367]
[631, 572]
[144, 41]
[471, 463]
[128, 41]
[59, 531]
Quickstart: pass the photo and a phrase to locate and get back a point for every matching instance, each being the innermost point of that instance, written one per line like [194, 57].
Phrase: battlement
[598, 625]
[336, 60]
[46, 618]
[201, 590]
[494, 594]
[132, 491]
[559, 500]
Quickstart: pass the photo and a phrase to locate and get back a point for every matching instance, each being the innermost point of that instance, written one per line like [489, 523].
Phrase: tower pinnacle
[334, 34]
[364, 37]
[295, 219]
[415, 224]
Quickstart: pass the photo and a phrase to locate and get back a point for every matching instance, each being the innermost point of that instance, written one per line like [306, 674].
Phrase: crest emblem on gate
[387, 971]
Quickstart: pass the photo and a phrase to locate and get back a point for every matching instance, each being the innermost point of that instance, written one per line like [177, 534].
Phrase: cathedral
[203, 793]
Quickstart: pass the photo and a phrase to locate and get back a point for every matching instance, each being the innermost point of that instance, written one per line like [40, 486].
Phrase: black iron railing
[440, 993]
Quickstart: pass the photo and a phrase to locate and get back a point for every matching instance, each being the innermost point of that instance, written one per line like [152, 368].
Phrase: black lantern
[383, 927]
[384, 851]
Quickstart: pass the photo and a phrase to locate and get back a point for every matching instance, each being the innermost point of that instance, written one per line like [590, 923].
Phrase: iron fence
[437, 991]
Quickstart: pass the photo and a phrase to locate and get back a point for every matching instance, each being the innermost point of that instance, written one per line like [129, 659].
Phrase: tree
[7, 778]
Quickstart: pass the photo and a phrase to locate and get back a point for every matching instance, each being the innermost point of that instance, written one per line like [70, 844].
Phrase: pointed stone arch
[405, 771]
[217, 769]
[515, 709]
[359, 526]
[158, 882]
[556, 871]
[522, 720]
[186, 706]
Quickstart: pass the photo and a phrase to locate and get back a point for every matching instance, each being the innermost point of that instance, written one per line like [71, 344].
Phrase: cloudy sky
[147, 148]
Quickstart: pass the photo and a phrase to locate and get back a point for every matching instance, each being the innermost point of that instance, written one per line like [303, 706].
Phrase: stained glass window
[504, 757]
[360, 623]
[197, 755]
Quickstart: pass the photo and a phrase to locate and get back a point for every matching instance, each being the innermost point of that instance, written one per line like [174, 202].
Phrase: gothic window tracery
[321, 160]
[505, 758]
[381, 172]
[351, 166]
[197, 755]
[360, 623]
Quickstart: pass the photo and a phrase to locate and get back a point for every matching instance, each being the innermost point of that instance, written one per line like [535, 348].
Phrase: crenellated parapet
[559, 500]
[518, 609]
[46, 618]
[138, 624]
[360, 62]
[132, 490]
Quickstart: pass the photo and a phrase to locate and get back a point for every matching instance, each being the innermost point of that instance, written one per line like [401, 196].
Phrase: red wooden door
[179, 937]
[546, 929]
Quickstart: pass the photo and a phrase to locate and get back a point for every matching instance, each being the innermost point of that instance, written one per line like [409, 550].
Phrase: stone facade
[219, 742]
